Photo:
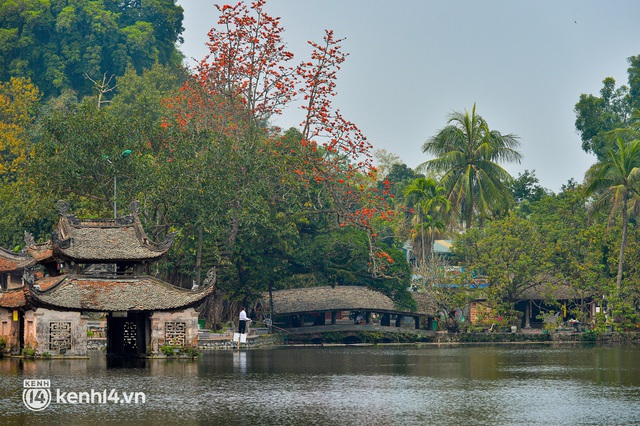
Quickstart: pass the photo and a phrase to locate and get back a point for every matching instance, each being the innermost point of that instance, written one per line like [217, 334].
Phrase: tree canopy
[59, 44]
[467, 151]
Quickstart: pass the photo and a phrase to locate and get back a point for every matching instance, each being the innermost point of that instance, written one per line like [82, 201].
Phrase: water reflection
[240, 361]
[336, 385]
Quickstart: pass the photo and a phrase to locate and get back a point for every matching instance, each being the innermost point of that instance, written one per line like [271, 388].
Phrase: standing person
[242, 321]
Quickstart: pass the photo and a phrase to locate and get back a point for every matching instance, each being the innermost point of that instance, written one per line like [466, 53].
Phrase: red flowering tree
[245, 80]
[346, 166]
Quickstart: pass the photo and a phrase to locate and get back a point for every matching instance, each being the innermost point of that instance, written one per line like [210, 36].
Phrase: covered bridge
[316, 306]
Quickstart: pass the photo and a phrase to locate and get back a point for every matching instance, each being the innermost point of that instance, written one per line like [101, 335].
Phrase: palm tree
[615, 179]
[468, 152]
[431, 204]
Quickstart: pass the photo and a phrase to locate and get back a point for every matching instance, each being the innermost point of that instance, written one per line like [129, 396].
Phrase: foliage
[616, 179]
[169, 350]
[527, 192]
[58, 44]
[431, 209]
[446, 289]
[28, 352]
[575, 244]
[19, 103]
[468, 152]
[511, 255]
[600, 119]
[174, 350]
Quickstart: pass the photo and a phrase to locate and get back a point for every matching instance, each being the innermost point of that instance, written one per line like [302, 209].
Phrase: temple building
[101, 266]
[12, 298]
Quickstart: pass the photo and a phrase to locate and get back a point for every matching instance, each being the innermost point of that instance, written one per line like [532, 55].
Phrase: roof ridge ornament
[134, 207]
[28, 239]
[63, 207]
[211, 277]
[168, 241]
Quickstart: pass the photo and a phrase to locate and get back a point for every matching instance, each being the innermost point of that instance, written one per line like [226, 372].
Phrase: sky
[413, 62]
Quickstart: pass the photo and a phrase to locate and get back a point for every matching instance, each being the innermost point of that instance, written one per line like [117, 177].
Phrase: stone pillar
[527, 315]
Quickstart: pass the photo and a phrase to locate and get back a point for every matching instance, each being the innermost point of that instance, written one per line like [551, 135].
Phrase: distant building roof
[14, 262]
[42, 253]
[12, 299]
[442, 246]
[118, 294]
[550, 291]
[324, 299]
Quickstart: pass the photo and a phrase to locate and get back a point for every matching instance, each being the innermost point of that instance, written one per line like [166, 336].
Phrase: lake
[383, 385]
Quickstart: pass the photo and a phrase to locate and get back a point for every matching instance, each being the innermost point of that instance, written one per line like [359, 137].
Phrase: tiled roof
[425, 303]
[106, 240]
[10, 262]
[319, 299]
[551, 291]
[12, 298]
[40, 252]
[117, 294]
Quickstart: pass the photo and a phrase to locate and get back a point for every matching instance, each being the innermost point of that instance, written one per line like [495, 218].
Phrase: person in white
[242, 326]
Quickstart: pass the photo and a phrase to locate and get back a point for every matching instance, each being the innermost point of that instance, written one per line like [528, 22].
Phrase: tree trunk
[199, 256]
[623, 244]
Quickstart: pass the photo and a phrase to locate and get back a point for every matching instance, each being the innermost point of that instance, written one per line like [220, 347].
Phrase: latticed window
[175, 333]
[59, 335]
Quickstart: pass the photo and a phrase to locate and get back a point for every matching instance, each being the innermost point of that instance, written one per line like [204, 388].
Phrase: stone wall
[9, 330]
[55, 332]
[97, 343]
[177, 328]
[252, 342]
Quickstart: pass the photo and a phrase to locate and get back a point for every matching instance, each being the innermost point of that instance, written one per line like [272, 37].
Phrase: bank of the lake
[377, 337]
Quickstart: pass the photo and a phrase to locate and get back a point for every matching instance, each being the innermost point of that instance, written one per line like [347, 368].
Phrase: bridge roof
[340, 298]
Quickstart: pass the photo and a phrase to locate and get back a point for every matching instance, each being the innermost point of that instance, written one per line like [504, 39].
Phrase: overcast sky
[412, 62]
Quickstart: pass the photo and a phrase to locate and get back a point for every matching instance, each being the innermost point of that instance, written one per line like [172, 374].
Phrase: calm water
[481, 385]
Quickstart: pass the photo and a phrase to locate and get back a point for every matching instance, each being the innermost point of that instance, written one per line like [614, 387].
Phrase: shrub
[28, 352]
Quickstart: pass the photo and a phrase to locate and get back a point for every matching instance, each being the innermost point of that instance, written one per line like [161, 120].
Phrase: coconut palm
[616, 180]
[431, 204]
[468, 153]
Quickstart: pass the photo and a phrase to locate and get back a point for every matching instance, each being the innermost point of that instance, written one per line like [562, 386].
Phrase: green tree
[576, 243]
[527, 192]
[615, 182]
[431, 206]
[20, 206]
[511, 254]
[58, 44]
[468, 153]
[597, 116]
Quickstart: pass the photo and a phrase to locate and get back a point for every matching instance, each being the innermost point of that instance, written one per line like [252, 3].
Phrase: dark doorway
[20, 331]
[127, 333]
